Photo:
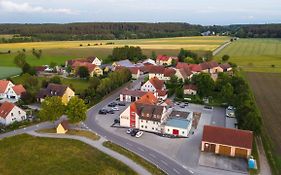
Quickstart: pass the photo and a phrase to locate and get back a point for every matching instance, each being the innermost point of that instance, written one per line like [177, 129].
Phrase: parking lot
[186, 151]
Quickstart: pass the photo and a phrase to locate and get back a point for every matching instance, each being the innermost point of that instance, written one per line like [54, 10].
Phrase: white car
[115, 109]
[230, 108]
[139, 134]
[129, 131]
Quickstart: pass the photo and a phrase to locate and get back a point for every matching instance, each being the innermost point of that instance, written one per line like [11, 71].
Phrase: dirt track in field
[267, 91]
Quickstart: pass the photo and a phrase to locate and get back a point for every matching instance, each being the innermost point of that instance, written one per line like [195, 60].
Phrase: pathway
[264, 166]
[217, 51]
[96, 144]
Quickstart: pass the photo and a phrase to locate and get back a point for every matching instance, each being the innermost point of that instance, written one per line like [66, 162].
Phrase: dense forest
[258, 31]
[92, 31]
[105, 31]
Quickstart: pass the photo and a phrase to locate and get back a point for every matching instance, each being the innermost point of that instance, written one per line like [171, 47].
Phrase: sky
[204, 12]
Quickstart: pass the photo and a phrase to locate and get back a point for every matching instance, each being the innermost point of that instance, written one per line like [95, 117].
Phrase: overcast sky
[203, 12]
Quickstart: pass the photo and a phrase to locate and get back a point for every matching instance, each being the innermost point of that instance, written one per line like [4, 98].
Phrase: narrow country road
[96, 144]
[219, 49]
[264, 166]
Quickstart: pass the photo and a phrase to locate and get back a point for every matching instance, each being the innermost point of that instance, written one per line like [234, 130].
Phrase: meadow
[20, 156]
[9, 71]
[63, 50]
[255, 55]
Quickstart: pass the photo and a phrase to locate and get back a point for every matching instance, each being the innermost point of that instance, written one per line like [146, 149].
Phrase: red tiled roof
[65, 124]
[5, 109]
[225, 66]
[88, 65]
[156, 69]
[3, 85]
[135, 93]
[169, 72]
[39, 68]
[192, 67]
[162, 58]
[228, 136]
[134, 70]
[19, 89]
[190, 86]
[158, 84]
[148, 98]
[162, 92]
[209, 65]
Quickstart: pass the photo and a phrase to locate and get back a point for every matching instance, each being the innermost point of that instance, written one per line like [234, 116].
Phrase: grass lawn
[147, 165]
[83, 133]
[255, 55]
[79, 85]
[63, 50]
[30, 155]
[6, 72]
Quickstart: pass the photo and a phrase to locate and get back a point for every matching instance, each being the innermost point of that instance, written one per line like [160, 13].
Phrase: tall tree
[19, 59]
[52, 108]
[225, 58]
[76, 110]
[83, 72]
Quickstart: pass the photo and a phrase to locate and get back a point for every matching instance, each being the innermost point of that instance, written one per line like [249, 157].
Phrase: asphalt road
[161, 161]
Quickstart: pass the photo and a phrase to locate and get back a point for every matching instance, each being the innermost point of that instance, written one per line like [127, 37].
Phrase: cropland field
[266, 88]
[25, 154]
[9, 71]
[255, 55]
[63, 50]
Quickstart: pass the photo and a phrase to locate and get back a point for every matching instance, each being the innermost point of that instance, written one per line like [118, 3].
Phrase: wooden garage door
[240, 152]
[225, 150]
[209, 147]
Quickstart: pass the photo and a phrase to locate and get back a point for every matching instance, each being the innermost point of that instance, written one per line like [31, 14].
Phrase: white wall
[14, 115]
[125, 118]
[148, 87]
[148, 125]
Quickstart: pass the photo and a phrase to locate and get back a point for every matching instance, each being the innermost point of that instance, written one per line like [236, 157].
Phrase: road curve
[161, 161]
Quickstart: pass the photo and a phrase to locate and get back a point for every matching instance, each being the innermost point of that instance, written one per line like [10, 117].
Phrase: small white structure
[10, 113]
[96, 61]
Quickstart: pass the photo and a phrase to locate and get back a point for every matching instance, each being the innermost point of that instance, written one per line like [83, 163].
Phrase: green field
[25, 154]
[63, 50]
[255, 55]
[9, 71]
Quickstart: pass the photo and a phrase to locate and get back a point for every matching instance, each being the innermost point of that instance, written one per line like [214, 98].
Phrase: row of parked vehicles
[114, 107]
[134, 132]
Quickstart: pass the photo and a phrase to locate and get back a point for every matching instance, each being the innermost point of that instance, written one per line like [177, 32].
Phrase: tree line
[96, 31]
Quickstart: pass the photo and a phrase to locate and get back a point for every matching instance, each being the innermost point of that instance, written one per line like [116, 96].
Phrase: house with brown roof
[62, 127]
[225, 67]
[211, 67]
[135, 71]
[144, 114]
[10, 91]
[160, 72]
[184, 73]
[157, 86]
[165, 60]
[190, 89]
[227, 141]
[56, 90]
[92, 68]
[10, 113]
[92, 60]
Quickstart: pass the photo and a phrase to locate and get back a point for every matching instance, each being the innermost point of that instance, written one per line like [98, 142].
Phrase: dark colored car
[134, 132]
[121, 104]
[208, 107]
[113, 104]
[116, 121]
[110, 112]
[103, 111]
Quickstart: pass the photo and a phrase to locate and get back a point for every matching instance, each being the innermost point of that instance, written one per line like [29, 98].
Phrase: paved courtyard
[183, 150]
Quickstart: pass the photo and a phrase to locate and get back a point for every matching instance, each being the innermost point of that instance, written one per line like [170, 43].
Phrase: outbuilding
[63, 127]
[227, 141]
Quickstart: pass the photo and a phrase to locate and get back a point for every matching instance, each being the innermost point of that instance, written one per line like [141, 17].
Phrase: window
[19, 112]
[168, 130]
[183, 132]
[146, 121]
[12, 114]
[152, 128]
[145, 127]
[142, 121]
[141, 126]
[154, 122]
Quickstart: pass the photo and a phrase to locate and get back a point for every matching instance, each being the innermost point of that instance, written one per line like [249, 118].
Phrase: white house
[95, 61]
[156, 86]
[10, 113]
[10, 91]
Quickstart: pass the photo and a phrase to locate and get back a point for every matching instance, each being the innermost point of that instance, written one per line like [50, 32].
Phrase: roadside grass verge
[144, 163]
[82, 133]
[25, 154]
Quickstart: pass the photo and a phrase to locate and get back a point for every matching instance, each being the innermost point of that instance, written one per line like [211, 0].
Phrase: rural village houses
[10, 113]
[10, 91]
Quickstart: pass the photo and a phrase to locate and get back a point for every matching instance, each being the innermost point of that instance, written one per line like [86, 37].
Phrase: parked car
[139, 134]
[110, 112]
[182, 106]
[208, 107]
[103, 111]
[118, 99]
[230, 108]
[134, 132]
[121, 104]
[129, 131]
[112, 104]
[116, 121]
[115, 109]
